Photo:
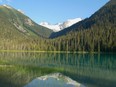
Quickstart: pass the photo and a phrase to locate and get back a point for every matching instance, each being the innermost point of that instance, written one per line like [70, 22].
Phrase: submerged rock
[54, 80]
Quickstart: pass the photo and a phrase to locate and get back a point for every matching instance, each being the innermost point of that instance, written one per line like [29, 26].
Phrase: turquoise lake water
[92, 70]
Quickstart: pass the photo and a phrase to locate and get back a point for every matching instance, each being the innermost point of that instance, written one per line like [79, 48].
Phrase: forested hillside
[94, 34]
[97, 33]
[19, 32]
[10, 17]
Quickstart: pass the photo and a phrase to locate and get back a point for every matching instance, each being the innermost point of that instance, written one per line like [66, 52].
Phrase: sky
[56, 11]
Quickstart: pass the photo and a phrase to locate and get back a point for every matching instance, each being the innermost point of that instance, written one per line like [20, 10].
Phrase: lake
[92, 70]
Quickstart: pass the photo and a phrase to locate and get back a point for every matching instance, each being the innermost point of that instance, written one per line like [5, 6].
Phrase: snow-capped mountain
[60, 26]
[55, 27]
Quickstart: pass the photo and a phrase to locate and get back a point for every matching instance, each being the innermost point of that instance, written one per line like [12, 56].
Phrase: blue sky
[55, 11]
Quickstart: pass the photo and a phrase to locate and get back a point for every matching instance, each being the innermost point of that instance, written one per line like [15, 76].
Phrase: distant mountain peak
[60, 26]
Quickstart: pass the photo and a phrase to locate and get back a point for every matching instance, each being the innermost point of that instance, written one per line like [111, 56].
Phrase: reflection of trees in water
[66, 60]
[94, 66]
[61, 59]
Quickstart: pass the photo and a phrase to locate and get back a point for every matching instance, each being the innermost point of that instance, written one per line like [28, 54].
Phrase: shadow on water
[92, 70]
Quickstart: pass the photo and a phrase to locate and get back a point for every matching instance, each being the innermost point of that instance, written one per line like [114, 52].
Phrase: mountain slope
[97, 33]
[21, 22]
[94, 34]
[19, 32]
[60, 26]
[103, 17]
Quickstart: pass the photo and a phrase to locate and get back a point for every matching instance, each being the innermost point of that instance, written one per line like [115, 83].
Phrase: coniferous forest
[94, 34]
[82, 55]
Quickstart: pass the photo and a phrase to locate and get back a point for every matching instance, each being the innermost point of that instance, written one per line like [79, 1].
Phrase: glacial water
[17, 69]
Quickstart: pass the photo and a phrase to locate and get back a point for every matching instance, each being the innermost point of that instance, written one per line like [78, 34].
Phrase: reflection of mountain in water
[54, 80]
[97, 70]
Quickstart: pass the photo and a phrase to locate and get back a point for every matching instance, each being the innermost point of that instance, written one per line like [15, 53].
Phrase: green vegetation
[94, 34]
[97, 33]
[18, 33]
[15, 23]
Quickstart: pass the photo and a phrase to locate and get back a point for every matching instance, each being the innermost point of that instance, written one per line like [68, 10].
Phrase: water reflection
[93, 70]
[54, 80]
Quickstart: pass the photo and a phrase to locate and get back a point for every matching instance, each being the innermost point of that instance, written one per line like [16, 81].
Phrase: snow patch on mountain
[55, 27]
[7, 6]
[21, 11]
[60, 26]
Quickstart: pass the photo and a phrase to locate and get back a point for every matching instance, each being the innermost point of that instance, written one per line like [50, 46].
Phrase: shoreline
[46, 51]
[35, 51]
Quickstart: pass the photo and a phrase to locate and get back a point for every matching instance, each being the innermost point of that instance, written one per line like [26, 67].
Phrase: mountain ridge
[19, 32]
[22, 22]
[96, 33]
[60, 26]
[93, 34]
[86, 23]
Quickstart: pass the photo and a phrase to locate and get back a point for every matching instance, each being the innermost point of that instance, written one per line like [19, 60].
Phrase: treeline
[95, 34]
[92, 40]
